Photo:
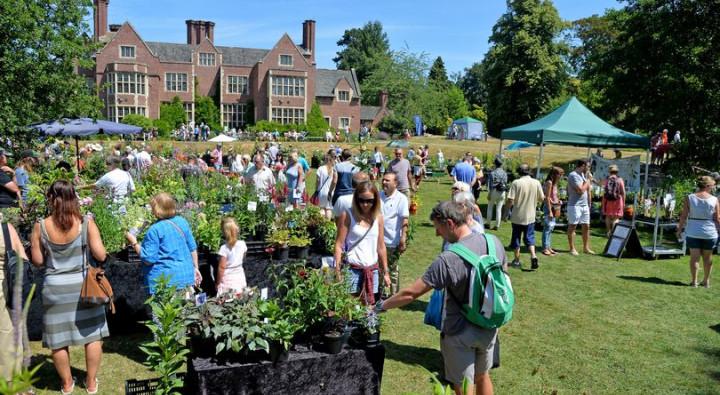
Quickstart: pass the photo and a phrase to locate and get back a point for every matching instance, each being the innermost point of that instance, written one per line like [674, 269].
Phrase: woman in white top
[326, 180]
[701, 213]
[231, 275]
[360, 243]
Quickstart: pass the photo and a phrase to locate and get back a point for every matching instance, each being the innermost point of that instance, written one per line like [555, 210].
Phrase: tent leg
[539, 165]
[588, 154]
[647, 171]
[77, 155]
[500, 150]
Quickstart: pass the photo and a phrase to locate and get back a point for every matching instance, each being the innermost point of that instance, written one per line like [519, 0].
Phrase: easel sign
[623, 242]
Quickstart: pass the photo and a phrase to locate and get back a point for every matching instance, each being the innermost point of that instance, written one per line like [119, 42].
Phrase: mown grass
[584, 324]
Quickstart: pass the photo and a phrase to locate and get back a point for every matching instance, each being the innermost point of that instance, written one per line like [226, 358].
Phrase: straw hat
[613, 168]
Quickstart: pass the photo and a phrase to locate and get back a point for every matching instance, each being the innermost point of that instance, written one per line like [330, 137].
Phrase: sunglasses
[366, 201]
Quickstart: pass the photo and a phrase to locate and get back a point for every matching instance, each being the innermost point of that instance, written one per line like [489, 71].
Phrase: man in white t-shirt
[117, 181]
[261, 176]
[396, 214]
[144, 159]
[344, 203]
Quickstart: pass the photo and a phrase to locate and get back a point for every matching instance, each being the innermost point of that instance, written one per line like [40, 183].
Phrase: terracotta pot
[629, 211]
[413, 208]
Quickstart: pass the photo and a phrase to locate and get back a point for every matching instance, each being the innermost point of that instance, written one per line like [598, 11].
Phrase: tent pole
[588, 154]
[540, 158]
[77, 155]
[647, 171]
[500, 150]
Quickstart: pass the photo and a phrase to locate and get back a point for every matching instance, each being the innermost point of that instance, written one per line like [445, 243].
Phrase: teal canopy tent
[574, 124]
[472, 129]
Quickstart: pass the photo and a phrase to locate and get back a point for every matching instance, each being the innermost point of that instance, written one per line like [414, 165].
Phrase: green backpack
[490, 294]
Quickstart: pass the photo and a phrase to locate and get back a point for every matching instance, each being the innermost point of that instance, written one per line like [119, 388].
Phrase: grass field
[584, 324]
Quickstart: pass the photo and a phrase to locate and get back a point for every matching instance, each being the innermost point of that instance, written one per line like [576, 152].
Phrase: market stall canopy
[398, 144]
[221, 138]
[574, 124]
[80, 127]
[518, 145]
[472, 127]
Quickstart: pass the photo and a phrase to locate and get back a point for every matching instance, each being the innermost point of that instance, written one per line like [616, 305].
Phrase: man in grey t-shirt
[467, 349]
[402, 168]
[578, 207]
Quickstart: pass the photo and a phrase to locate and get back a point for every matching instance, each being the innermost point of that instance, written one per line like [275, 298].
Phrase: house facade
[280, 84]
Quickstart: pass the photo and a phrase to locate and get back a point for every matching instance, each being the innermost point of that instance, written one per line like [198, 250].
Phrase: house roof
[326, 81]
[171, 52]
[369, 112]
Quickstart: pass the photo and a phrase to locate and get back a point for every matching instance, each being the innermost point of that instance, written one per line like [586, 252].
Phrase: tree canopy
[362, 49]
[438, 74]
[524, 68]
[41, 44]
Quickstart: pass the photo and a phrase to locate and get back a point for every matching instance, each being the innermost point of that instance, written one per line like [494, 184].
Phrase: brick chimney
[100, 18]
[198, 30]
[309, 37]
[383, 99]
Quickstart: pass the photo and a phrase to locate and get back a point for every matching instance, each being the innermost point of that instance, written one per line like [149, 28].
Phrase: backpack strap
[6, 239]
[470, 256]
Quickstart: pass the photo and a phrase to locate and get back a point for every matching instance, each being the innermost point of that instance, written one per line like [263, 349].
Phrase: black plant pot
[334, 342]
[361, 339]
[278, 353]
[201, 347]
[281, 253]
[301, 252]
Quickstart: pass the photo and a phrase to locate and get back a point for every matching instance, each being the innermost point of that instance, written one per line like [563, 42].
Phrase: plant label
[263, 198]
[289, 208]
[252, 206]
[264, 294]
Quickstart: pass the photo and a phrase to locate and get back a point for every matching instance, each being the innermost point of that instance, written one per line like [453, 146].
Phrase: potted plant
[300, 244]
[279, 240]
[367, 331]
[414, 204]
[280, 328]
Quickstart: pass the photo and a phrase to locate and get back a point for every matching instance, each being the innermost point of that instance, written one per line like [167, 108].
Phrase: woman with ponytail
[231, 275]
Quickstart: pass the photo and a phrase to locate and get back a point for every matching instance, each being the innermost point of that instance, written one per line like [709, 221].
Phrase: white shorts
[578, 215]
[468, 353]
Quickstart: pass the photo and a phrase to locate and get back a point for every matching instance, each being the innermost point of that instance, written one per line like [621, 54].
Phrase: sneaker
[534, 264]
[574, 253]
[515, 263]
[693, 284]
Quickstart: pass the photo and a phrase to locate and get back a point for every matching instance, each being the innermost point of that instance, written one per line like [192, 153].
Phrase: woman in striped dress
[58, 244]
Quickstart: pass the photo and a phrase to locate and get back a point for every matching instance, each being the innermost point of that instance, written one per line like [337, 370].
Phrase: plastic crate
[144, 387]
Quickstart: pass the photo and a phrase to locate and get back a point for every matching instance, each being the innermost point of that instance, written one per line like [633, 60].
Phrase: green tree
[316, 124]
[41, 44]
[473, 86]
[138, 120]
[206, 111]
[172, 115]
[438, 74]
[645, 88]
[362, 49]
[524, 68]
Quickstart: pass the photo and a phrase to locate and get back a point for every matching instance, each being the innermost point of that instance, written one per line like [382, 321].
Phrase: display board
[628, 170]
[623, 242]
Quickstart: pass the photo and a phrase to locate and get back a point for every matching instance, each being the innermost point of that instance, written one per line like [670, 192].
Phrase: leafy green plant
[299, 241]
[280, 326]
[166, 352]
[107, 218]
[20, 382]
[327, 231]
[279, 237]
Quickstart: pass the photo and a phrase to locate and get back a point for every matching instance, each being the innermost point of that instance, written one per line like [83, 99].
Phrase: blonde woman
[326, 181]
[231, 275]
[701, 214]
[360, 243]
[295, 178]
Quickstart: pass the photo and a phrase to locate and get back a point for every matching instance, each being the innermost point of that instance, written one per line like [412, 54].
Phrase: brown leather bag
[96, 289]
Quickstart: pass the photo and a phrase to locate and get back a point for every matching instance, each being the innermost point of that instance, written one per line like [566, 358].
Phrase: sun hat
[613, 168]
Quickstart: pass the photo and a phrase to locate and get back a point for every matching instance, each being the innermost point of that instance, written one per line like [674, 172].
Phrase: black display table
[353, 371]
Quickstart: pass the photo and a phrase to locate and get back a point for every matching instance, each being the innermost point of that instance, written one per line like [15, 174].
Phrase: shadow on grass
[47, 376]
[416, 305]
[428, 358]
[715, 327]
[715, 354]
[653, 280]
[127, 346]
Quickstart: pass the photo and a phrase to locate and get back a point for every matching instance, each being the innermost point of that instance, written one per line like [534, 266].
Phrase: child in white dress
[231, 275]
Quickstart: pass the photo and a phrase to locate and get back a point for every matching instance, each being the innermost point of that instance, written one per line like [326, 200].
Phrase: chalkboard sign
[624, 241]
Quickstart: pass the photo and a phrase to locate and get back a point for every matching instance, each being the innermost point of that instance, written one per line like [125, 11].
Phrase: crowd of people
[370, 209]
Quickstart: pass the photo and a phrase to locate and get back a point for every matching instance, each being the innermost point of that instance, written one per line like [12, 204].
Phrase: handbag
[96, 289]
[315, 199]
[11, 271]
[434, 310]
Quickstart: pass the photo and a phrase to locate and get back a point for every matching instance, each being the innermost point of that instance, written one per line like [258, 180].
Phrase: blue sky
[454, 29]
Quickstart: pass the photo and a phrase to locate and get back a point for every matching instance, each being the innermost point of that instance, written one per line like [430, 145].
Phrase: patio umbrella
[221, 138]
[81, 127]
[518, 145]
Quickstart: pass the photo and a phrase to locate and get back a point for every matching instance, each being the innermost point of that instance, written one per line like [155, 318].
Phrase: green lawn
[583, 324]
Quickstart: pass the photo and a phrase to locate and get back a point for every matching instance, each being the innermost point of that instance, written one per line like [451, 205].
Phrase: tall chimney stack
[100, 18]
[198, 30]
[309, 38]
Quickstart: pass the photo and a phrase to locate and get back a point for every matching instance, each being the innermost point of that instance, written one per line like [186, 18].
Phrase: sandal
[547, 252]
[705, 284]
[95, 391]
[72, 388]
[693, 284]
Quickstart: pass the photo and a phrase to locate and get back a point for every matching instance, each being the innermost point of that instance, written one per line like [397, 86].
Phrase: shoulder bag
[96, 289]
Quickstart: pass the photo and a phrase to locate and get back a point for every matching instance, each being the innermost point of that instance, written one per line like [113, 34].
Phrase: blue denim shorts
[701, 244]
[356, 278]
[518, 231]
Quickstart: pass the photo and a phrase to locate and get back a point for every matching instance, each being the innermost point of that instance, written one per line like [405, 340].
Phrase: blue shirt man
[464, 171]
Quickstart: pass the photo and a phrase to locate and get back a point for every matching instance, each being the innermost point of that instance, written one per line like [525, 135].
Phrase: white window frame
[328, 120]
[237, 87]
[135, 83]
[134, 49]
[280, 58]
[340, 122]
[177, 83]
[117, 113]
[189, 110]
[349, 96]
[288, 86]
[206, 60]
[288, 115]
[234, 115]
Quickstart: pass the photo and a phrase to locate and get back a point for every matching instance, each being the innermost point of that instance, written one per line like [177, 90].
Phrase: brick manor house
[278, 84]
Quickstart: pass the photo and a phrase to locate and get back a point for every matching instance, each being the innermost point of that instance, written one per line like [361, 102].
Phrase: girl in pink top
[231, 275]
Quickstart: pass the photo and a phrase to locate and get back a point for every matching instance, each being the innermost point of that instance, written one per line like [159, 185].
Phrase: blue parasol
[518, 145]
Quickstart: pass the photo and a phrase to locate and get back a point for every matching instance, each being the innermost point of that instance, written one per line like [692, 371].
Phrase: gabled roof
[234, 56]
[171, 52]
[326, 81]
[369, 112]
